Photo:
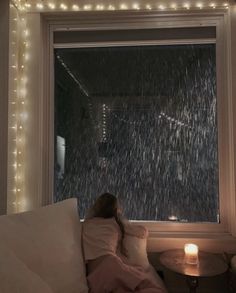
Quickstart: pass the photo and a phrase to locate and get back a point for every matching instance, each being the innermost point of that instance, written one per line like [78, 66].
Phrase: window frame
[136, 20]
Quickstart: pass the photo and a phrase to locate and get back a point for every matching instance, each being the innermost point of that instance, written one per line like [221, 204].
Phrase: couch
[40, 251]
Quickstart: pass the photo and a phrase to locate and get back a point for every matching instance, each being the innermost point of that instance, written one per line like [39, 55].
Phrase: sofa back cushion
[16, 277]
[48, 242]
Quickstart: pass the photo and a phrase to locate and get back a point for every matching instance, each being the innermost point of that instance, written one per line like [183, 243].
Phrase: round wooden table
[208, 265]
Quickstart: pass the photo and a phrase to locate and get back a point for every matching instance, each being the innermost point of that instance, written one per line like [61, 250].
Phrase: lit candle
[191, 253]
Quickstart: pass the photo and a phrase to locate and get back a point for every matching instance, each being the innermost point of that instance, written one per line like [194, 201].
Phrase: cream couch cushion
[48, 242]
[16, 277]
[137, 251]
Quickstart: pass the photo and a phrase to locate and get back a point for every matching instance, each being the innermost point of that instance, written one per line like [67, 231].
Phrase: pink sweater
[100, 237]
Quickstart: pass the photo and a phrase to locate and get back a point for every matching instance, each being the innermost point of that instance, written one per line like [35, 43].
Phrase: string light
[41, 5]
[19, 52]
[75, 7]
[20, 55]
[63, 6]
[51, 5]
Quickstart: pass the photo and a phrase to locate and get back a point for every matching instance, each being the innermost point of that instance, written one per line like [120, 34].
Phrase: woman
[105, 253]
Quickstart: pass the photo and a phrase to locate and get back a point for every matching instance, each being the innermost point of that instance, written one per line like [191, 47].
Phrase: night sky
[139, 122]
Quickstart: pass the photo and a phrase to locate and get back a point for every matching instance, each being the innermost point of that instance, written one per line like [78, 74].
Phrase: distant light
[172, 218]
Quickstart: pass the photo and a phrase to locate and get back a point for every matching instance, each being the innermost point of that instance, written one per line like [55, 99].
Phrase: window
[139, 121]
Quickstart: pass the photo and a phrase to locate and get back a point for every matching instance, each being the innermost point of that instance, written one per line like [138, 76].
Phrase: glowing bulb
[75, 7]
[87, 7]
[27, 5]
[148, 7]
[161, 7]
[111, 7]
[51, 5]
[39, 5]
[24, 79]
[186, 5]
[63, 6]
[136, 6]
[123, 6]
[26, 32]
[99, 7]
[199, 5]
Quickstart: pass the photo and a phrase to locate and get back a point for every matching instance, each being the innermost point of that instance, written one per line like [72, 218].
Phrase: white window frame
[210, 234]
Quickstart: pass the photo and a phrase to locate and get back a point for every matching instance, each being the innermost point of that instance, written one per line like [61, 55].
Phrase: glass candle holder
[191, 254]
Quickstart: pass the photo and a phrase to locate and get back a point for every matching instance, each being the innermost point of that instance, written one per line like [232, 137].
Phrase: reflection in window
[139, 122]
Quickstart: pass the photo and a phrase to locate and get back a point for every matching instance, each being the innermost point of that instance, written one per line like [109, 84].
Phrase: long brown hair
[106, 206]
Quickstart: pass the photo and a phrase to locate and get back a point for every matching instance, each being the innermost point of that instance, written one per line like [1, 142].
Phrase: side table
[209, 265]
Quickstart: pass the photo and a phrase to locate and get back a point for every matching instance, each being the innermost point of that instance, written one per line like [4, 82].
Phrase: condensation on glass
[139, 122]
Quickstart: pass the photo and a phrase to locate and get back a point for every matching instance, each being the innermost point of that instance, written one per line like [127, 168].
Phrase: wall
[4, 65]
[35, 148]
[233, 84]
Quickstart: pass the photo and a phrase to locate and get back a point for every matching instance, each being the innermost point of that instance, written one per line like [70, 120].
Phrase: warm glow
[75, 7]
[191, 253]
[20, 58]
[39, 5]
[51, 5]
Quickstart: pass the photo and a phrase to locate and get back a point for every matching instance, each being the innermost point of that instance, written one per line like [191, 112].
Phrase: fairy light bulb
[51, 5]
[123, 6]
[75, 7]
[136, 6]
[161, 7]
[63, 6]
[87, 7]
[199, 5]
[186, 5]
[39, 5]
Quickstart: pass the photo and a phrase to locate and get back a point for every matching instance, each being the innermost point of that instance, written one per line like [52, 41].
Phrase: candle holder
[191, 254]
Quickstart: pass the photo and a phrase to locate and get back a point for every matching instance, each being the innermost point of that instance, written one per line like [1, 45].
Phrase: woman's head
[105, 206]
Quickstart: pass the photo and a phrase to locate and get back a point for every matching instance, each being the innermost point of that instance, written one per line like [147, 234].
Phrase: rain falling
[139, 122]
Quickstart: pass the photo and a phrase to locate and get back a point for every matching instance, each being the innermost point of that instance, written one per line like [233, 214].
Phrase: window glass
[139, 122]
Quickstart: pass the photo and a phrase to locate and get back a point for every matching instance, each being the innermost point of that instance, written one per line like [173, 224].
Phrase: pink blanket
[114, 276]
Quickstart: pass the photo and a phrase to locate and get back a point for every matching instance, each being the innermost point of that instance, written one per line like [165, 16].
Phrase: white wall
[4, 49]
